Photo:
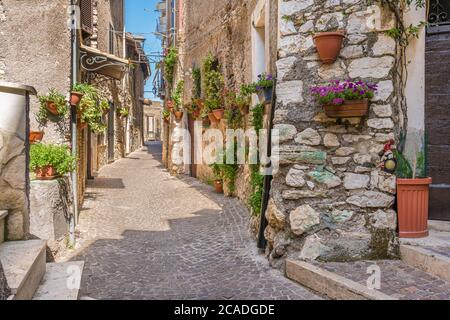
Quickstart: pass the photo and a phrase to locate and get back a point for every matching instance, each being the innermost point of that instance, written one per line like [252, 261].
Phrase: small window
[111, 39]
[86, 18]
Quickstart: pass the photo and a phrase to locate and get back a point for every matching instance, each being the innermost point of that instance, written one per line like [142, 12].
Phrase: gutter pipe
[262, 242]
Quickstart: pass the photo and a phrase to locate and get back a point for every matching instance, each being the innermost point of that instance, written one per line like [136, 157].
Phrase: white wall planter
[14, 100]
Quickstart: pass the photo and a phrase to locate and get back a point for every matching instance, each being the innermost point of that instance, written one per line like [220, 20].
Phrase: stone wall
[35, 46]
[50, 212]
[329, 200]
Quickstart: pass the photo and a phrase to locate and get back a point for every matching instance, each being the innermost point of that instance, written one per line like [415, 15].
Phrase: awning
[93, 60]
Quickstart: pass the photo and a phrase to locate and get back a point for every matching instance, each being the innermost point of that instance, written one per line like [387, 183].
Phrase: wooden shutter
[86, 11]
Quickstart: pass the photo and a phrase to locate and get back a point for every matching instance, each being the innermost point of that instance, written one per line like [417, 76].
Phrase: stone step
[24, 266]
[433, 260]
[61, 281]
[392, 279]
[330, 283]
[439, 225]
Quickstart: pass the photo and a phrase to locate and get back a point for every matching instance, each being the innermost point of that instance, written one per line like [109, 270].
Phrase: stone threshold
[348, 281]
[329, 283]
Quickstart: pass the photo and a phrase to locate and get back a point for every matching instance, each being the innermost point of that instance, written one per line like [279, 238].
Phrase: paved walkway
[147, 235]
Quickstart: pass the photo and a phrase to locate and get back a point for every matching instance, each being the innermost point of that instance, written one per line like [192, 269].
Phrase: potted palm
[345, 99]
[413, 190]
[53, 104]
[49, 161]
[329, 45]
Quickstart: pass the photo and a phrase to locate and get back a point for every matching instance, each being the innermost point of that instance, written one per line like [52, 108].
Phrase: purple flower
[338, 101]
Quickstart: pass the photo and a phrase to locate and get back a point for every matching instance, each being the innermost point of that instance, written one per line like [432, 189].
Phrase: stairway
[30, 277]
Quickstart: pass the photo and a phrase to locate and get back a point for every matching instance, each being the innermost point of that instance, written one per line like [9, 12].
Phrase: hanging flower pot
[218, 185]
[166, 121]
[212, 118]
[36, 136]
[75, 98]
[52, 108]
[412, 204]
[329, 45]
[46, 173]
[178, 115]
[170, 105]
[349, 109]
[265, 95]
[218, 113]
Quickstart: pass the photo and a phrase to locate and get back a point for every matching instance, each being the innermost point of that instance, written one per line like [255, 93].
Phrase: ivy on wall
[170, 61]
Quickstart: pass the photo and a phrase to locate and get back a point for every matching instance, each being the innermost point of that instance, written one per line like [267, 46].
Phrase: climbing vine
[170, 61]
[256, 178]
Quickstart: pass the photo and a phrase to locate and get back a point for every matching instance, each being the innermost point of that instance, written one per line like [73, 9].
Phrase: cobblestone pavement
[147, 235]
[397, 279]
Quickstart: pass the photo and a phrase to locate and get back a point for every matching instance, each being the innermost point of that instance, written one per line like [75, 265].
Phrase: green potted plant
[166, 116]
[77, 93]
[264, 88]
[104, 106]
[177, 98]
[345, 99]
[244, 98]
[214, 85]
[53, 103]
[49, 161]
[413, 189]
[218, 178]
[123, 112]
[91, 112]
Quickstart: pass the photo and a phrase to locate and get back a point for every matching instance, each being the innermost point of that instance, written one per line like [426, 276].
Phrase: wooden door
[437, 117]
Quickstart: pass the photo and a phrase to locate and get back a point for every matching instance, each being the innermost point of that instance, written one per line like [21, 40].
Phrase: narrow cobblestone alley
[146, 235]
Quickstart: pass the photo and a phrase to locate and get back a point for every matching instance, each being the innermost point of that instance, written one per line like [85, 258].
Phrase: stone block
[303, 219]
[50, 206]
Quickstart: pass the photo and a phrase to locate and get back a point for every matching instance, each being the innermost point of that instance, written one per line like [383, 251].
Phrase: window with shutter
[86, 11]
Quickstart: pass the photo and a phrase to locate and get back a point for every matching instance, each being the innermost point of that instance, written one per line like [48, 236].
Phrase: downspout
[262, 242]
[75, 75]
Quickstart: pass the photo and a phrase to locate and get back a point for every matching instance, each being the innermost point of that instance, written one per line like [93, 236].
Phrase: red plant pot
[412, 204]
[166, 121]
[329, 45]
[218, 185]
[212, 118]
[178, 115]
[46, 173]
[51, 107]
[75, 98]
[36, 136]
[218, 113]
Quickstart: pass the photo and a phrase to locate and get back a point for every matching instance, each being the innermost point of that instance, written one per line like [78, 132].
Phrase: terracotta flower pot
[36, 136]
[212, 118]
[350, 109]
[219, 186]
[170, 105]
[82, 125]
[51, 107]
[412, 204]
[166, 121]
[218, 113]
[75, 98]
[46, 173]
[329, 45]
[178, 115]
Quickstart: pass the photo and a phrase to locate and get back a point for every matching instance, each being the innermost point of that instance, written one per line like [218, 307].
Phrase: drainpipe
[262, 243]
[75, 73]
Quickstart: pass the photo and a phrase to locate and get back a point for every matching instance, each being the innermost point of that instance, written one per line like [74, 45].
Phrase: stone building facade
[330, 200]
[36, 50]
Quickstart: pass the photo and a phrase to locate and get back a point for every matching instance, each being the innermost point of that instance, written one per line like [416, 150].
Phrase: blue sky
[141, 17]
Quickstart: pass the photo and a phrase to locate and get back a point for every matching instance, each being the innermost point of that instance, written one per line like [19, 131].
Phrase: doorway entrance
[437, 109]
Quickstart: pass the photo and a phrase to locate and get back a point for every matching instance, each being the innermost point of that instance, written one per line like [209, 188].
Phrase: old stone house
[330, 199]
[40, 54]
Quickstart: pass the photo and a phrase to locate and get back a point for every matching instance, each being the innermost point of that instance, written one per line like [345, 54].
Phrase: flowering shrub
[337, 92]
